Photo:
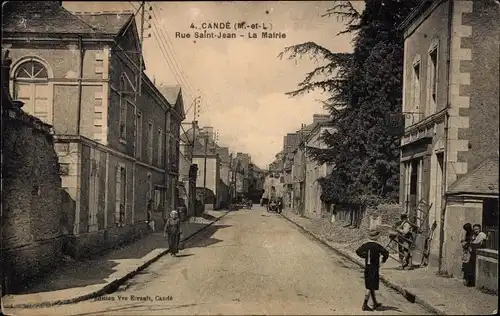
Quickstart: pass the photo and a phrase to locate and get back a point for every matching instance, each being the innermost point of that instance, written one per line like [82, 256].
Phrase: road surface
[251, 262]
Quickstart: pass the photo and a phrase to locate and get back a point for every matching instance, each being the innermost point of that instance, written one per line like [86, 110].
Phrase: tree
[365, 90]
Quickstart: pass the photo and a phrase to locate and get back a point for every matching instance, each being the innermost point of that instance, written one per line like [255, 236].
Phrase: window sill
[123, 141]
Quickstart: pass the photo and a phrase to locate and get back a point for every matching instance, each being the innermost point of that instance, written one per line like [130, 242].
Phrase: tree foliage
[365, 90]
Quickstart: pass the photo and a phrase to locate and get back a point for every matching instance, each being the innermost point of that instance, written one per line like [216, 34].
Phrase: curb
[114, 285]
[406, 293]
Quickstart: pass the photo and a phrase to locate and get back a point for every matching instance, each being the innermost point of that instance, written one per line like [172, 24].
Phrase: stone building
[174, 118]
[205, 155]
[32, 238]
[113, 127]
[290, 142]
[450, 102]
[186, 166]
[314, 207]
[224, 184]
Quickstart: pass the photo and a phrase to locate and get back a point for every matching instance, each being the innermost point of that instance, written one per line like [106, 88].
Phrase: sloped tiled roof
[482, 180]
[171, 93]
[43, 17]
[51, 17]
[187, 136]
[106, 22]
[223, 154]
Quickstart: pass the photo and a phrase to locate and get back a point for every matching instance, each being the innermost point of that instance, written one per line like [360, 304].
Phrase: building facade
[186, 166]
[206, 158]
[450, 102]
[290, 142]
[111, 123]
[314, 207]
[175, 116]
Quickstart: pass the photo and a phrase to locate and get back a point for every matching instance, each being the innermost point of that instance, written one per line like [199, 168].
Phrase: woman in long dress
[467, 263]
[173, 232]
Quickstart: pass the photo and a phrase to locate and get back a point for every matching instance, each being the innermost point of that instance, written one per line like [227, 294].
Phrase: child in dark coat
[371, 251]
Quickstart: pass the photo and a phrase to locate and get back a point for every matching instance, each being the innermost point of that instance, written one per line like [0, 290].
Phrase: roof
[482, 180]
[187, 136]
[43, 17]
[419, 10]
[171, 93]
[317, 128]
[223, 154]
[52, 17]
[106, 22]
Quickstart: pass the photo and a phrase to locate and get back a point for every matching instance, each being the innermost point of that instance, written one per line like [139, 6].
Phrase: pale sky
[241, 81]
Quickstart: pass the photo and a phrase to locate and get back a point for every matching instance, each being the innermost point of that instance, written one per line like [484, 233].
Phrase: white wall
[211, 173]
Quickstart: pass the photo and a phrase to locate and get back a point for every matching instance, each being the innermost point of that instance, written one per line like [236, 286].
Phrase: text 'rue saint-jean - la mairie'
[228, 30]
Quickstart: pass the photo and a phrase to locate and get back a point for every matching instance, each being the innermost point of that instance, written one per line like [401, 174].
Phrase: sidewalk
[81, 280]
[444, 296]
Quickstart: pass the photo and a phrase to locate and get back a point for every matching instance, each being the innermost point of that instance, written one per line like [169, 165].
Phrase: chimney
[321, 118]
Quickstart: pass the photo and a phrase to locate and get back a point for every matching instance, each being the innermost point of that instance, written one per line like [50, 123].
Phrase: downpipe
[444, 182]
[80, 85]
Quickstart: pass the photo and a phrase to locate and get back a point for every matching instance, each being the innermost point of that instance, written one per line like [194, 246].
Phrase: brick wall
[31, 200]
[482, 89]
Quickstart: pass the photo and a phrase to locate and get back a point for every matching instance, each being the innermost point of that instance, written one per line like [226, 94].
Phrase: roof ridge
[66, 11]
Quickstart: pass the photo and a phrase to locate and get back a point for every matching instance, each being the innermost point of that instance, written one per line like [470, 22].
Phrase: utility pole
[205, 170]
[195, 120]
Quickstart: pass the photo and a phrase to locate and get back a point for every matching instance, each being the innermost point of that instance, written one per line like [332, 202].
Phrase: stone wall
[31, 198]
[487, 270]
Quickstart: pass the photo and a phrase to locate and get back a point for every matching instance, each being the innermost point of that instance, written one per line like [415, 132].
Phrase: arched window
[31, 85]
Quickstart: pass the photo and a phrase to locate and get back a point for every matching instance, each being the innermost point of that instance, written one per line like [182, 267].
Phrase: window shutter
[117, 198]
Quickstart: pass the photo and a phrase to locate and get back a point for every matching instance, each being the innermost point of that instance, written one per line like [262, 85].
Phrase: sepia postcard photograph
[250, 157]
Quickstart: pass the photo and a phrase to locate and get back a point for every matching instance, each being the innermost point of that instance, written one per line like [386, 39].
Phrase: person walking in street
[173, 232]
[467, 262]
[371, 251]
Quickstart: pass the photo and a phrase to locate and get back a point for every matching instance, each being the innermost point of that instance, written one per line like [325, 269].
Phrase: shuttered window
[121, 195]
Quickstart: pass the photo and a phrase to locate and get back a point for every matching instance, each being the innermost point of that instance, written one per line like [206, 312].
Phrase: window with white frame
[432, 82]
[123, 108]
[150, 142]
[31, 86]
[138, 135]
[160, 147]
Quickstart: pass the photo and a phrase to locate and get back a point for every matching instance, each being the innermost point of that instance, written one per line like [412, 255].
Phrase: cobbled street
[254, 263]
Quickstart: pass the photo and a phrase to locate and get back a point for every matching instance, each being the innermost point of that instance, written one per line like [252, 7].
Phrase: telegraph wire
[182, 127]
[163, 38]
[161, 46]
[174, 55]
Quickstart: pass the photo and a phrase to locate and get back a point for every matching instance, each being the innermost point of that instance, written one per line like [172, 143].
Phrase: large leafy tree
[365, 90]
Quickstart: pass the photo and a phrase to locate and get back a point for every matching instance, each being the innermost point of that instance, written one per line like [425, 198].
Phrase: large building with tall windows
[116, 133]
[449, 150]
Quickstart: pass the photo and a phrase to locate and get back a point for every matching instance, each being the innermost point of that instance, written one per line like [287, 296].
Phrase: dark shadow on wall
[68, 206]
